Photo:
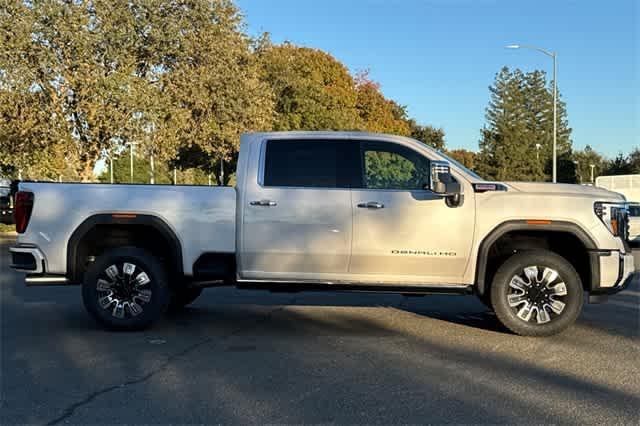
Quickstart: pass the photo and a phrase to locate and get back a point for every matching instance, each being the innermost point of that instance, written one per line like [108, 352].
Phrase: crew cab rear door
[297, 220]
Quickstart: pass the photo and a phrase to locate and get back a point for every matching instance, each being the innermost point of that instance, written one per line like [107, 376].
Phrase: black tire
[134, 301]
[182, 297]
[515, 300]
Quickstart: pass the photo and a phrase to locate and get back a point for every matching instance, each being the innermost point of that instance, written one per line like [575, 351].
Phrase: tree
[516, 141]
[80, 79]
[634, 160]
[379, 114]
[583, 161]
[218, 86]
[313, 91]
[77, 58]
[141, 170]
[619, 166]
[434, 137]
[464, 157]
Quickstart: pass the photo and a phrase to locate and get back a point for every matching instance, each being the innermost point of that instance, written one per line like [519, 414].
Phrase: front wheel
[126, 289]
[537, 293]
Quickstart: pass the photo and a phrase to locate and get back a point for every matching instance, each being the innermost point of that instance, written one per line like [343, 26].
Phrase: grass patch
[7, 228]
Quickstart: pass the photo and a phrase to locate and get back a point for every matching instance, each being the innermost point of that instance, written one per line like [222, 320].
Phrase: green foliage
[621, 165]
[385, 170]
[218, 87]
[141, 171]
[163, 172]
[517, 140]
[389, 170]
[181, 79]
[313, 90]
[634, 160]
[5, 229]
[428, 135]
[377, 113]
[464, 157]
[586, 158]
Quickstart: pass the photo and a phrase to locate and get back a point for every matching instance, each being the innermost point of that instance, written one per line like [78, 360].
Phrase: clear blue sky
[438, 57]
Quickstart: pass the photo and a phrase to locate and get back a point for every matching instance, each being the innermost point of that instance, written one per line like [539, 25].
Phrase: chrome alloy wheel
[123, 289]
[537, 296]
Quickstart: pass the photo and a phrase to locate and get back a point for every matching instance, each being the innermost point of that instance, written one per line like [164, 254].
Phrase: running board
[46, 280]
[288, 287]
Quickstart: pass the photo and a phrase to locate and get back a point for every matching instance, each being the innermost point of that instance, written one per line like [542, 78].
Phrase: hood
[566, 189]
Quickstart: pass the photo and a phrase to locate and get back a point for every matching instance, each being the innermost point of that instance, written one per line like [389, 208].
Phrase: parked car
[335, 211]
[634, 223]
[6, 206]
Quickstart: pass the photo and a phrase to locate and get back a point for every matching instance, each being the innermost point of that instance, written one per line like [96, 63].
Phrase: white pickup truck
[336, 211]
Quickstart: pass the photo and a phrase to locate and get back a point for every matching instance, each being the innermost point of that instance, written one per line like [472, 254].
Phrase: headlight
[615, 217]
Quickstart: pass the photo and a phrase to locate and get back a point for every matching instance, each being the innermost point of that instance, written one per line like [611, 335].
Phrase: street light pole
[577, 163]
[555, 119]
[554, 56]
[131, 146]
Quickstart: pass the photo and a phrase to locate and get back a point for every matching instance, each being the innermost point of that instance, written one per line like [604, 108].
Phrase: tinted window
[634, 211]
[309, 163]
[392, 166]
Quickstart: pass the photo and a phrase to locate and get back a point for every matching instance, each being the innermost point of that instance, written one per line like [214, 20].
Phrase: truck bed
[202, 217]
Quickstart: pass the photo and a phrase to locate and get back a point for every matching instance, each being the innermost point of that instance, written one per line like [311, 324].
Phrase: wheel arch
[542, 230]
[130, 221]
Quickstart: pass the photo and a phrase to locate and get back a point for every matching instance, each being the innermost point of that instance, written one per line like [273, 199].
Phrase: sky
[438, 57]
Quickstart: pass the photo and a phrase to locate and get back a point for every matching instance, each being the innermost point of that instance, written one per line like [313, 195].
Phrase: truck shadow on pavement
[254, 357]
[293, 363]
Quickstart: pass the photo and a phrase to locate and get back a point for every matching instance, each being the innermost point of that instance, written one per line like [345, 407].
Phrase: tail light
[22, 210]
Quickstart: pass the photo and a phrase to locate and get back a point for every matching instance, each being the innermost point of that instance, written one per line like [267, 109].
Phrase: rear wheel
[126, 289]
[537, 293]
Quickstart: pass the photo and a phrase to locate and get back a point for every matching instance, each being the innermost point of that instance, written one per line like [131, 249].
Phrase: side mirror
[442, 182]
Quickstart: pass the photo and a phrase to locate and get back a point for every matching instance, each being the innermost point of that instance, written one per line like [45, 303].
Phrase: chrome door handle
[371, 205]
[263, 203]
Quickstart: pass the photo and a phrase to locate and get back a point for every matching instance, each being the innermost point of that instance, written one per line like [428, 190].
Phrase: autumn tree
[377, 113]
[180, 79]
[465, 157]
[313, 91]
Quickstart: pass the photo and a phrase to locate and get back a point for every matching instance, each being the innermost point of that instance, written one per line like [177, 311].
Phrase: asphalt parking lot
[240, 357]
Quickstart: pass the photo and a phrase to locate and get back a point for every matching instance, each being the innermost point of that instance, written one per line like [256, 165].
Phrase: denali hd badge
[429, 253]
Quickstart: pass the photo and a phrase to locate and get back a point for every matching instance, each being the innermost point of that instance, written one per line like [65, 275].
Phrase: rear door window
[309, 163]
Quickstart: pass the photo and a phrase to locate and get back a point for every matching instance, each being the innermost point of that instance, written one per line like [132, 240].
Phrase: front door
[297, 223]
[403, 232]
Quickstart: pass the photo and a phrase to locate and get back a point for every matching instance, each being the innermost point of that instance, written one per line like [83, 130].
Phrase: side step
[46, 280]
[276, 287]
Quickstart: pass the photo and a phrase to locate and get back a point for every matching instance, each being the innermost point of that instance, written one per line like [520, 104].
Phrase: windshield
[460, 166]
